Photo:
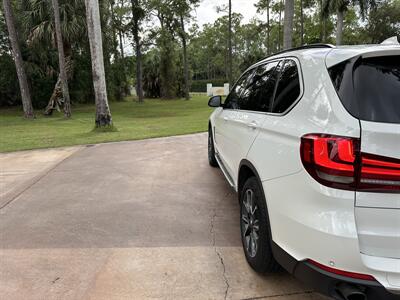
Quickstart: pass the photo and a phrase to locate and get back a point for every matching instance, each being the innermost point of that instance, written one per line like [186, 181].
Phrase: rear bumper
[310, 221]
[328, 283]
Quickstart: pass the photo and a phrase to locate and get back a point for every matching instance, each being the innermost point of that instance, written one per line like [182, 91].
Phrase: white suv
[310, 140]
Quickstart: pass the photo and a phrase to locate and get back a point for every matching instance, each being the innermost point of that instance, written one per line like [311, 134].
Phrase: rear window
[369, 88]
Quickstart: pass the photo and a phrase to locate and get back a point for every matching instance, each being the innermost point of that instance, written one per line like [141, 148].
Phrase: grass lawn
[133, 121]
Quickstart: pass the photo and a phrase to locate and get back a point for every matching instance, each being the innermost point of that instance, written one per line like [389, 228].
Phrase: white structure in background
[217, 90]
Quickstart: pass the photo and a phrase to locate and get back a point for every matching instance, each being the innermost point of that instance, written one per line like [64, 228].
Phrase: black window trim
[301, 81]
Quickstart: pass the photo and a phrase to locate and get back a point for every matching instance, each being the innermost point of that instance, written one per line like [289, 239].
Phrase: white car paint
[357, 232]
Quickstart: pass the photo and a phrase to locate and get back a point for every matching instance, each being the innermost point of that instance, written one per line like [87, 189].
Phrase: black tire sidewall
[211, 151]
[263, 261]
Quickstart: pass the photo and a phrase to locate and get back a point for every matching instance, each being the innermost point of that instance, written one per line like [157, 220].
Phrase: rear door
[374, 97]
[242, 125]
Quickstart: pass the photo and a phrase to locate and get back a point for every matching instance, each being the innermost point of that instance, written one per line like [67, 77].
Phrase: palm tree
[61, 59]
[103, 114]
[288, 24]
[23, 81]
[264, 5]
[340, 7]
[230, 54]
[38, 23]
[137, 16]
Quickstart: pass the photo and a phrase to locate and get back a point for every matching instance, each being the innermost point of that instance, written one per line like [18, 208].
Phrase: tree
[288, 24]
[340, 7]
[301, 22]
[23, 81]
[103, 114]
[383, 22]
[184, 8]
[230, 54]
[61, 59]
[137, 15]
[264, 5]
[39, 26]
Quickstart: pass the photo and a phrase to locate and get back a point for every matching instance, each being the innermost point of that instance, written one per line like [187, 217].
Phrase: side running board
[225, 172]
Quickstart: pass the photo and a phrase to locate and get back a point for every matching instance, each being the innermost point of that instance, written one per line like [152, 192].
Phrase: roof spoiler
[394, 40]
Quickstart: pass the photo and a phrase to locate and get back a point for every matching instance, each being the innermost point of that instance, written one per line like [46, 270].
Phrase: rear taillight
[331, 160]
[337, 162]
[379, 174]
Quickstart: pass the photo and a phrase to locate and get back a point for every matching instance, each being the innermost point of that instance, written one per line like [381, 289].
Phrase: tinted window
[234, 100]
[369, 88]
[262, 89]
[288, 89]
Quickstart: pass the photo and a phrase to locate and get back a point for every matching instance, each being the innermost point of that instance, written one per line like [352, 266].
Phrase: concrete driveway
[129, 220]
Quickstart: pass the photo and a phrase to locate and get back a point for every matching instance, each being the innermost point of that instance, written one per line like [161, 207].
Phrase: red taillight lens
[341, 272]
[337, 162]
[331, 160]
[379, 174]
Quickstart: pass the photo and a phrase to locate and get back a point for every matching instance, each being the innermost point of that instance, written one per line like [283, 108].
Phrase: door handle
[226, 119]
[252, 125]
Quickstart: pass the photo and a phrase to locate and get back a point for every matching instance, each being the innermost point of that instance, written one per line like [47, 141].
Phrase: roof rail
[310, 46]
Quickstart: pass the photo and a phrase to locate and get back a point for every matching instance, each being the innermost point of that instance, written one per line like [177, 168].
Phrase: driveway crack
[219, 254]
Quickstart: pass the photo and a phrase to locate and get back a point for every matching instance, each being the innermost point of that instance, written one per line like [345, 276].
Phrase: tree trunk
[23, 81]
[136, 38]
[268, 30]
[280, 28]
[288, 24]
[103, 114]
[121, 45]
[230, 54]
[185, 59]
[339, 27]
[301, 23]
[321, 22]
[61, 59]
[56, 100]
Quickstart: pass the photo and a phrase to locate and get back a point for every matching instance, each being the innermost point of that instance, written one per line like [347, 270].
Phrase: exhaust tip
[350, 292]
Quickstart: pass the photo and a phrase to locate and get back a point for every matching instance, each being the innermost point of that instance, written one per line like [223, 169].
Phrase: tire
[211, 151]
[255, 228]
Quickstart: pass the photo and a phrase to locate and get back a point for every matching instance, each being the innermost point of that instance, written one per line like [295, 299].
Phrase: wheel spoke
[247, 238]
[256, 226]
[245, 219]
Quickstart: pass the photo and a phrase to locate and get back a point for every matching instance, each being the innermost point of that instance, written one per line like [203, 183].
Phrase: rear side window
[264, 81]
[369, 88]
[288, 89]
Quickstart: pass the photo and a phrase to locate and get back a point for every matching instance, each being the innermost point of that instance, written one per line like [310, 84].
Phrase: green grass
[132, 121]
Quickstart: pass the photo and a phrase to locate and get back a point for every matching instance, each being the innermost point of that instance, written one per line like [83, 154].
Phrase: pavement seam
[218, 253]
[37, 179]
[279, 295]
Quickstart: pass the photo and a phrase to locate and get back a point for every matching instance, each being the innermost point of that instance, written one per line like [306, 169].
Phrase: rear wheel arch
[246, 170]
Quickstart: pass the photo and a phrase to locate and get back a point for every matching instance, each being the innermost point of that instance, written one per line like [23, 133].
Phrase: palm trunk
[230, 54]
[103, 114]
[268, 30]
[136, 38]
[121, 45]
[61, 60]
[339, 27]
[288, 24]
[321, 22]
[185, 59]
[301, 23]
[23, 81]
[280, 28]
